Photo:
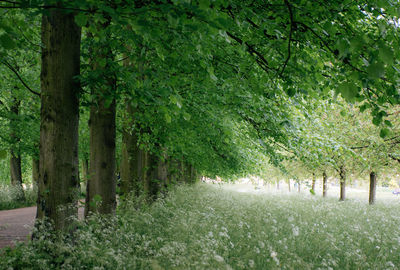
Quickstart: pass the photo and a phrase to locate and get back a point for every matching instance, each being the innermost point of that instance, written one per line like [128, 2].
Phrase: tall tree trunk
[144, 158]
[130, 165]
[85, 170]
[299, 187]
[342, 183]
[15, 156]
[35, 171]
[372, 187]
[289, 186]
[16, 174]
[101, 188]
[58, 169]
[193, 174]
[324, 184]
[85, 174]
[313, 182]
[151, 181]
[162, 172]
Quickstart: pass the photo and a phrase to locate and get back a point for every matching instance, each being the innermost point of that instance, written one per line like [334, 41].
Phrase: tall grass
[10, 197]
[209, 227]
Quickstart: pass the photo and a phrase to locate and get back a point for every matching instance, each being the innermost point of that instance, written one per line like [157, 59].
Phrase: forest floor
[228, 226]
[16, 225]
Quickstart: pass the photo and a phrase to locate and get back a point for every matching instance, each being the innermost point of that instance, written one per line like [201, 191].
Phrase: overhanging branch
[9, 66]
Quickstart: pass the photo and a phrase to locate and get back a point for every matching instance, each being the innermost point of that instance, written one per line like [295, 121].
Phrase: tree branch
[290, 36]
[4, 62]
[260, 59]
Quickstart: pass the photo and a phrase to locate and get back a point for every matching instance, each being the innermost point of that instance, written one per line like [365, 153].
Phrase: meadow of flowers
[214, 227]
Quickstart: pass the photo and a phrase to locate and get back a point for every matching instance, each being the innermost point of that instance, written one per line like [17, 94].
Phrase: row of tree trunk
[342, 175]
[57, 173]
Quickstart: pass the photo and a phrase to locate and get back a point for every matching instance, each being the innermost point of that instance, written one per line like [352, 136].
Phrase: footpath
[16, 225]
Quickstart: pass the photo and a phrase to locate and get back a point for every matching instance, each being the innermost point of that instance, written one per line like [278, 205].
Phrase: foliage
[210, 81]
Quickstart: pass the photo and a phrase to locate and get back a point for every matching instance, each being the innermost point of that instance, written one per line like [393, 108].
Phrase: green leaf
[377, 120]
[186, 116]
[6, 42]
[386, 54]
[81, 19]
[3, 154]
[388, 123]
[348, 90]
[102, 62]
[97, 198]
[168, 118]
[356, 43]
[364, 107]
[108, 102]
[384, 132]
[376, 70]
[210, 71]
[343, 47]
[291, 92]
[204, 4]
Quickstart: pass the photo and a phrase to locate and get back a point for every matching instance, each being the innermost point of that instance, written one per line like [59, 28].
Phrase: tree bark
[85, 170]
[16, 174]
[162, 172]
[130, 160]
[324, 184]
[85, 173]
[15, 156]
[101, 187]
[372, 187]
[192, 174]
[289, 186]
[313, 182]
[151, 181]
[35, 171]
[342, 183]
[58, 169]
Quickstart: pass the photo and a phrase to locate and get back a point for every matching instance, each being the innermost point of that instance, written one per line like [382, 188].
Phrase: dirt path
[16, 225]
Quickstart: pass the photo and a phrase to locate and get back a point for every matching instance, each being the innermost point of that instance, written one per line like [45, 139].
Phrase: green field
[228, 227]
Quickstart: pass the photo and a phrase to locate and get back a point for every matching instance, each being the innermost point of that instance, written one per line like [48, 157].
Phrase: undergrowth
[209, 227]
[10, 197]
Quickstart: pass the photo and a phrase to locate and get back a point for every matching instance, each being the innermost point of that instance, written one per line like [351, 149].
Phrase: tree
[58, 169]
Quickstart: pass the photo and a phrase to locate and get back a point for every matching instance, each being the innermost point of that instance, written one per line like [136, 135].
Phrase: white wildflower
[218, 258]
[296, 231]
[251, 263]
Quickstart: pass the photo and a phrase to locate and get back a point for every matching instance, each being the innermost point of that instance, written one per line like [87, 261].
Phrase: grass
[216, 227]
[10, 197]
